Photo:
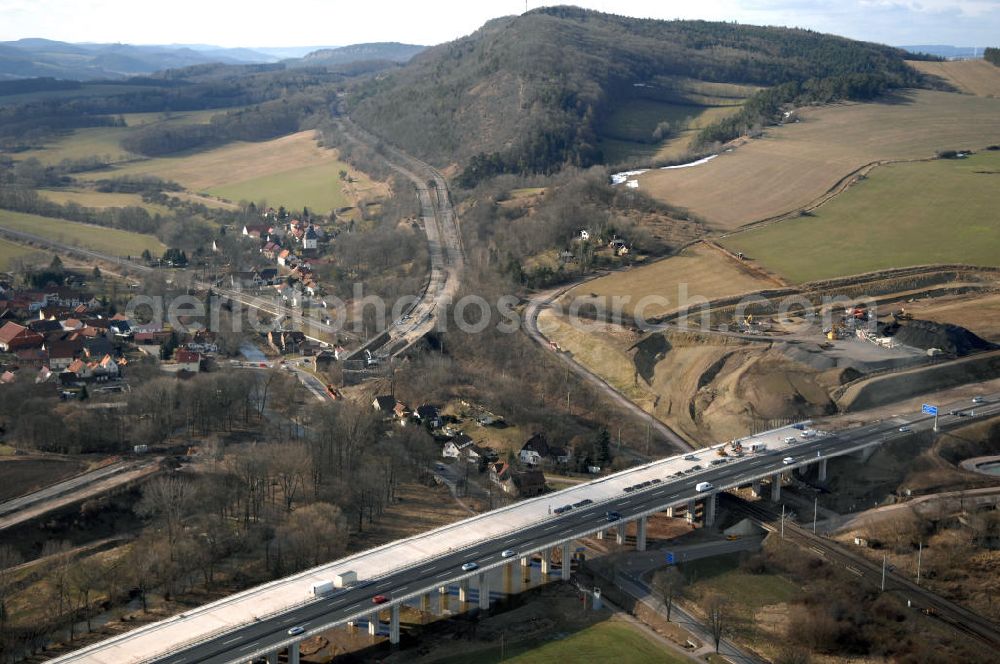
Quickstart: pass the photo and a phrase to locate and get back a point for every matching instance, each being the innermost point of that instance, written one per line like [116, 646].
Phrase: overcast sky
[338, 22]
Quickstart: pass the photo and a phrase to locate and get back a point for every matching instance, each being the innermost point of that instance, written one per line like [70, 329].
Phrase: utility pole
[782, 521]
[920, 551]
[815, 511]
[883, 572]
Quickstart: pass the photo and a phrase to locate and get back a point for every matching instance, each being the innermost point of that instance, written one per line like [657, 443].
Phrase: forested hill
[528, 93]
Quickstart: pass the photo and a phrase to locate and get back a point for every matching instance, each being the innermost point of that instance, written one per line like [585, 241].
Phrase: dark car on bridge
[613, 516]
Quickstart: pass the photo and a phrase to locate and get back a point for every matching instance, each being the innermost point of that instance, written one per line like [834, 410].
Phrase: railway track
[933, 605]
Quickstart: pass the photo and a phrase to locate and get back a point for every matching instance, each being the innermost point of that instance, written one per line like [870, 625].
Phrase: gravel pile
[951, 339]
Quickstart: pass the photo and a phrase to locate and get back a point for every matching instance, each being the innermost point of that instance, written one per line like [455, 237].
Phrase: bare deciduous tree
[669, 584]
[716, 616]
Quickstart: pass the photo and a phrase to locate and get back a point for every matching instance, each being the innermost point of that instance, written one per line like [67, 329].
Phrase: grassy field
[292, 171]
[10, 250]
[797, 163]
[689, 106]
[317, 187]
[108, 240]
[106, 141]
[974, 77]
[942, 211]
[600, 352]
[609, 641]
[703, 271]
[97, 199]
[722, 574]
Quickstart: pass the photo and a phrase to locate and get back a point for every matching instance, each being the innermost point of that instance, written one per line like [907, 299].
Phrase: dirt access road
[73, 490]
[543, 301]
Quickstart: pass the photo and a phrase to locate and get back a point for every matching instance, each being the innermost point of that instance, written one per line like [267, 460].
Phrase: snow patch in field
[625, 177]
[699, 162]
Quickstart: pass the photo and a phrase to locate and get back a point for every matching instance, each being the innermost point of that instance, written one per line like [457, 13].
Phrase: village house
[187, 360]
[385, 404]
[286, 342]
[525, 483]
[256, 231]
[537, 450]
[14, 337]
[428, 416]
[62, 353]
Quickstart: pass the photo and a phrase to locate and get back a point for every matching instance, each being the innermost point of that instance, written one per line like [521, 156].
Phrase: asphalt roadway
[272, 633]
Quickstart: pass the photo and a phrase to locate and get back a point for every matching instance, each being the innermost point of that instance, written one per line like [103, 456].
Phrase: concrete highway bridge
[257, 622]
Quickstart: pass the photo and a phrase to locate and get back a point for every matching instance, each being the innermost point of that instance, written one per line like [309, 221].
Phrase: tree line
[991, 54]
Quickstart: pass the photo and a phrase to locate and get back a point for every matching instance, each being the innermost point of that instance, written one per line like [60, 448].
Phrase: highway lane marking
[249, 645]
[554, 525]
[285, 622]
[354, 606]
[512, 539]
[854, 570]
[428, 569]
[226, 643]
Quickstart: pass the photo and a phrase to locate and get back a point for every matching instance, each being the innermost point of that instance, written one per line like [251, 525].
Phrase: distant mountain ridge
[36, 57]
[383, 51]
[946, 51]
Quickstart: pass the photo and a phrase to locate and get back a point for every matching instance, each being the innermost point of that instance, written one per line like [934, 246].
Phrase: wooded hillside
[528, 93]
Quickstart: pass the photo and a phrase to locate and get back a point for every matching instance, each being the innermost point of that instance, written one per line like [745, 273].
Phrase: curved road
[543, 301]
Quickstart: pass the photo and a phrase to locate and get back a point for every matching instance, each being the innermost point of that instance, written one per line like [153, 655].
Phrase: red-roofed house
[187, 360]
[15, 337]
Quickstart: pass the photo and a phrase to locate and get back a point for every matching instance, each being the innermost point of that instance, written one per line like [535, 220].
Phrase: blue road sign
[670, 557]
[929, 409]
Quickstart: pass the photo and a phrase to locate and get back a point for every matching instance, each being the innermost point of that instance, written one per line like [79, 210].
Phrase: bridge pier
[293, 653]
[272, 657]
[567, 562]
[710, 504]
[373, 624]
[425, 603]
[546, 560]
[484, 592]
[508, 579]
[775, 487]
[394, 624]
[755, 488]
[821, 471]
[670, 512]
[525, 561]
[443, 590]
[640, 534]
[620, 533]
[866, 453]
[600, 534]
[692, 506]
[463, 591]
